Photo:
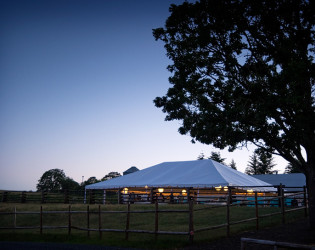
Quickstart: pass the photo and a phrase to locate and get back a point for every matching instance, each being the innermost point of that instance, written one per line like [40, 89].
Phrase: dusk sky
[77, 83]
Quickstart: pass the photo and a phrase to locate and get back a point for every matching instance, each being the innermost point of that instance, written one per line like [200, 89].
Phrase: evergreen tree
[261, 162]
[266, 163]
[233, 164]
[216, 157]
[201, 156]
[290, 169]
[253, 165]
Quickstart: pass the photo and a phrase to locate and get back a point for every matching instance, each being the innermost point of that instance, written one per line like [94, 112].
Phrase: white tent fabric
[195, 174]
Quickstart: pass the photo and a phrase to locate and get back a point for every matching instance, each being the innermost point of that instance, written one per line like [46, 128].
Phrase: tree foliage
[290, 169]
[70, 184]
[201, 156]
[51, 180]
[261, 162]
[233, 164]
[252, 167]
[91, 180]
[55, 180]
[243, 71]
[110, 175]
[216, 156]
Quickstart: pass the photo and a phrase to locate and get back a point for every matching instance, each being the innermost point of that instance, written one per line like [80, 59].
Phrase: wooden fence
[118, 197]
[62, 197]
[192, 229]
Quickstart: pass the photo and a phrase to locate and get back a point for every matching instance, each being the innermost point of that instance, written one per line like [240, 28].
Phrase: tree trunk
[310, 182]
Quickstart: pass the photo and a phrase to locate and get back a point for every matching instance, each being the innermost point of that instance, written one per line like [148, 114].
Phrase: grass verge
[138, 221]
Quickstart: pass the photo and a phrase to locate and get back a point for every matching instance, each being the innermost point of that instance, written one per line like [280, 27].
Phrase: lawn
[168, 221]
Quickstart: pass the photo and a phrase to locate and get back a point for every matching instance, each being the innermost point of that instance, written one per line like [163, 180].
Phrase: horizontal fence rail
[148, 195]
[281, 199]
[69, 212]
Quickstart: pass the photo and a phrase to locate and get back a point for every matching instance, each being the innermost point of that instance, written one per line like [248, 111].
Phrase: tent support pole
[104, 197]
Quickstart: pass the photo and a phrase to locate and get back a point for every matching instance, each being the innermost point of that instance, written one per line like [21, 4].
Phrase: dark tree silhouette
[201, 156]
[233, 164]
[70, 184]
[243, 71]
[91, 180]
[110, 175]
[51, 180]
[260, 162]
[291, 169]
[55, 180]
[253, 165]
[216, 156]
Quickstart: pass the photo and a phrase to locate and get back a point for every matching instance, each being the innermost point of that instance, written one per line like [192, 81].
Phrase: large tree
[243, 71]
[70, 184]
[51, 180]
[55, 180]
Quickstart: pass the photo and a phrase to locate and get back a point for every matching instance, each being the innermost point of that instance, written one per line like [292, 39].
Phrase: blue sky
[77, 83]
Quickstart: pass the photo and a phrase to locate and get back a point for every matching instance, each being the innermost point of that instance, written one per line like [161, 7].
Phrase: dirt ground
[297, 232]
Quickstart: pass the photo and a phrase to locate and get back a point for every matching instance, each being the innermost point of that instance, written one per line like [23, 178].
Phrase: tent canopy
[195, 174]
[295, 180]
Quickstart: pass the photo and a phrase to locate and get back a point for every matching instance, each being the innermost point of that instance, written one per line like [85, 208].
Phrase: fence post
[88, 220]
[14, 216]
[156, 223]
[41, 220]
[256, 209]
[92, 196]
[43, 197]
[99, 221]
[23, 197]
[152, 196]
[279, 194]
[191, 220]
[119, 196]
[84, 201]
[127, 220]
[66, 196]
[305, 201]
[228, 203]
[69, 220]
[282, 204]
[5, 196]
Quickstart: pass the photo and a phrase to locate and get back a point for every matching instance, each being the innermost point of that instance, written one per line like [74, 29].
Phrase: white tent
[194, 174]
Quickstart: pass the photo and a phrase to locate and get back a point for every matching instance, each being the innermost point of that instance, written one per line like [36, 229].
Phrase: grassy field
[167, 222]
